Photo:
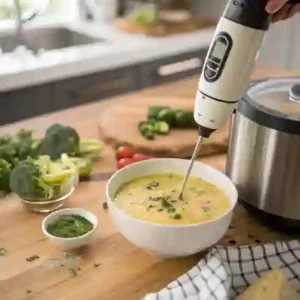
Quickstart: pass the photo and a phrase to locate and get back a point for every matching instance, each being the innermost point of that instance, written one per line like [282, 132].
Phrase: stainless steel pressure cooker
[264, 152]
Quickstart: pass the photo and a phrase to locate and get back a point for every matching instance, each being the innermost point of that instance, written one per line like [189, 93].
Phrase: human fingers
[282, 14]
[273, 6]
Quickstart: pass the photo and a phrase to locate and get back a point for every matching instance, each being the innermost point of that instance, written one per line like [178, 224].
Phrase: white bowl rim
[226, 213]
[51, 215]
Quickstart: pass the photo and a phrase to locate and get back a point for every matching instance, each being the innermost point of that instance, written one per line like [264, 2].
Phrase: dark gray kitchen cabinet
[172, 68]
[25, 103]
[37, 100]
[75, 91]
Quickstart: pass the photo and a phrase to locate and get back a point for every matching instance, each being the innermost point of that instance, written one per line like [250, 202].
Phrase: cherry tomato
[140, 156]
[123, 162]
[124, 152]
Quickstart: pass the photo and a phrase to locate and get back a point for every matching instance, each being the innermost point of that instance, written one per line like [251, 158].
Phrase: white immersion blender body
[229, 62]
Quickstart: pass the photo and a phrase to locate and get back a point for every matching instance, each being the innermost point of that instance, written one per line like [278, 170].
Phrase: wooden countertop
[111, 268]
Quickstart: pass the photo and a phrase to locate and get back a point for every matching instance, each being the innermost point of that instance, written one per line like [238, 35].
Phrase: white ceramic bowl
[170, 240]
[70, 243]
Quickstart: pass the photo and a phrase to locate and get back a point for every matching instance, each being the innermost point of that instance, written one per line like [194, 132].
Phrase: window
[47, 8]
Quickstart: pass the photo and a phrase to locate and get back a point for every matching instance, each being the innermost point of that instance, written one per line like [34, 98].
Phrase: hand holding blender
[230, 61]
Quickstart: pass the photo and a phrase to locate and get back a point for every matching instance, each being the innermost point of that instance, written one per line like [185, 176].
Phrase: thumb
[274, 6]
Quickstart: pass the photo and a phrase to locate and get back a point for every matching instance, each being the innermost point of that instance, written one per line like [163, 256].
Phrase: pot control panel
[217, 57]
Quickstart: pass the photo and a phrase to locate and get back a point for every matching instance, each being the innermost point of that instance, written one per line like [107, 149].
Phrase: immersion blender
[228, 66]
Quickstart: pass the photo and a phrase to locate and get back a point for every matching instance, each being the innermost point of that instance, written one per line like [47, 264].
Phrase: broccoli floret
[26, 181]
[26, 145]
[5, 170]
[19, 147]
[60, 139]
[8, 149]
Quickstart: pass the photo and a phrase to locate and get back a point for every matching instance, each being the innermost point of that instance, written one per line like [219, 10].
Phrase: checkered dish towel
[228, 271]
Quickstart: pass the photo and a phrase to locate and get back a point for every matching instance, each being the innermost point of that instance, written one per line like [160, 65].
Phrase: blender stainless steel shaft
[195, 154]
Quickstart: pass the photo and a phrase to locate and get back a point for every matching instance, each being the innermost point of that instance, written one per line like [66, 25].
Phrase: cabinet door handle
[179, 67]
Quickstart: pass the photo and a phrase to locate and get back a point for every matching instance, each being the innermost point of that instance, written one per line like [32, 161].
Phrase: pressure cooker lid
[274, 103]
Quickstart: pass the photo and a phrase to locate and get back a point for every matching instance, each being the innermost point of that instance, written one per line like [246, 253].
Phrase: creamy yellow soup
[155, 199]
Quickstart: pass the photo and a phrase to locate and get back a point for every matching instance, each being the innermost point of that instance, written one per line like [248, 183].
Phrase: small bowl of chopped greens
[70, 228]
[43, 185]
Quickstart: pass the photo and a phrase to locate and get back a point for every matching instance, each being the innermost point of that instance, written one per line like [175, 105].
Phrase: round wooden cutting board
[118, 124]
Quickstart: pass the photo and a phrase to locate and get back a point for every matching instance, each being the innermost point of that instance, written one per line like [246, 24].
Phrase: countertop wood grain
[111, 268]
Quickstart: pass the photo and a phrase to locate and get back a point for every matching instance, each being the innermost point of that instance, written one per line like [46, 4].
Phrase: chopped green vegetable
[145, 126]
[27, 180]
[5, 170]
[154, 111]
[60, 139]
[162, 118]
[82, 165]
[70, 226]
[143, 17]
[167, 115]
[149, 135]
[90, 148]
[147, 130]
[161, 127]
[185, 119]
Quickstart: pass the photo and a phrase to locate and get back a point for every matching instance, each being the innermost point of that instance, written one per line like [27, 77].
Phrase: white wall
[282, 44]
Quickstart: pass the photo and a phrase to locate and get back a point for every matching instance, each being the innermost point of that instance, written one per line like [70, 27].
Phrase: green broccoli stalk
[28, 182]
[5, 170]
[82, 165]
[89, 148]
[60, 139]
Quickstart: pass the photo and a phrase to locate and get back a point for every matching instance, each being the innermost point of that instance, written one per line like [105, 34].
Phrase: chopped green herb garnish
[205, 208]
[171, 210]
[69, 226]
[177, 217]
[159, 210]
[152, 185]
[165, 203]
[154, 198]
